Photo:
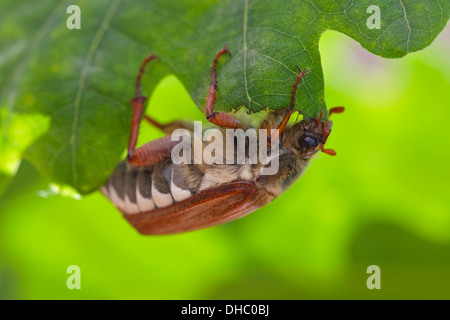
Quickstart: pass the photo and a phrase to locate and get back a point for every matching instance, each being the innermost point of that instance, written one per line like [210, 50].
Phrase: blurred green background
[383, 200]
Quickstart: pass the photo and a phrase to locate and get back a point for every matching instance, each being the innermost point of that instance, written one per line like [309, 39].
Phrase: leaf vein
[407, 24]
[81, 85]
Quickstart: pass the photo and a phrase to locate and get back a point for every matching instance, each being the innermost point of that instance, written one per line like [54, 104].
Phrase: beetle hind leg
[154, 151]
[138, 103]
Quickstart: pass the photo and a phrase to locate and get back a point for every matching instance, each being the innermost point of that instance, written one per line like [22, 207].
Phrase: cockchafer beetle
[158, 196]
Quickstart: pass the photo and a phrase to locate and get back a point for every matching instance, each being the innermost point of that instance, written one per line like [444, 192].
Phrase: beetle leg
[138, 103]
[170, 127]
[290, 110]
[293, 97]
[221, 119]
[152, 152]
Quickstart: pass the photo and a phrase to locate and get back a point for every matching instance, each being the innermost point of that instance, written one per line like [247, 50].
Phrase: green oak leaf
[68, 91]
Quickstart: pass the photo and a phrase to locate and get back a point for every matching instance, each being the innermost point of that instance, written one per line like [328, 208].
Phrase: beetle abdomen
[135, 189]
[141, 189]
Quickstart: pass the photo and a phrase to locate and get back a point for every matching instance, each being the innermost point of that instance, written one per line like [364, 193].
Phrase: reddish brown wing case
[208, 208]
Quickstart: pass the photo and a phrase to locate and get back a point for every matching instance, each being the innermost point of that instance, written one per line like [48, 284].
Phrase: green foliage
[78, 82]
[382, 200]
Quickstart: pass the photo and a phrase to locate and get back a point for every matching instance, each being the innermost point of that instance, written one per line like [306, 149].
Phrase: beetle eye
[307, 142]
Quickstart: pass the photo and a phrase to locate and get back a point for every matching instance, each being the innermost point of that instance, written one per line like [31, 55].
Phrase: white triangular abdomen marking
[130, 207]
[145, 204]
[179, 194]
[161, 199]
[119, 203]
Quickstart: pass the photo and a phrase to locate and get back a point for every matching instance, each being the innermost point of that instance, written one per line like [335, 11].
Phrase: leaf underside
[77, 83]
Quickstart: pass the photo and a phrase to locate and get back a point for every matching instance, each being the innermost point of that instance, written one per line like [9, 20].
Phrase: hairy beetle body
[158, 196]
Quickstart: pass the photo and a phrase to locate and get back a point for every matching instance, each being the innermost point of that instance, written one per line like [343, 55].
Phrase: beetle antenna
[330, 152]
[335, 110]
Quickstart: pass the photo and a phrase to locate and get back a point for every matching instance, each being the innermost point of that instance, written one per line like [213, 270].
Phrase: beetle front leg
[289, 110]
[221, 119]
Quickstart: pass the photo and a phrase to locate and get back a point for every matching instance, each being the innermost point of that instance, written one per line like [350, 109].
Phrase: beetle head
[307, 137]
